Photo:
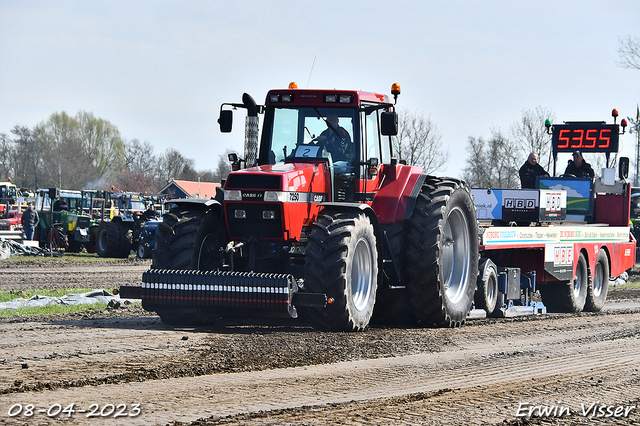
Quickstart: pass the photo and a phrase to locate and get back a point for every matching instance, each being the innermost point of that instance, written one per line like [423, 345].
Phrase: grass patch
[51, 310]
[627, 286]
[5, 296]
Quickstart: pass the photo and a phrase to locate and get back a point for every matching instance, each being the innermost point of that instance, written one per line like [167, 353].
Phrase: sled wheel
[569, 296]
[486, 296]
[599, 284]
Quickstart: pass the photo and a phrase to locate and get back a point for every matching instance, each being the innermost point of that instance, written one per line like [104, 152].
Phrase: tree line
[86, 152]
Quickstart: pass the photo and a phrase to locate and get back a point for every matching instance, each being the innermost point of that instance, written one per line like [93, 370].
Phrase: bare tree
[29, 158]
[530, 135]
[173, 165]
[491, 163]
[224, 167]
[629, 51]
[139, 156]
[418, 142]
[7, 155]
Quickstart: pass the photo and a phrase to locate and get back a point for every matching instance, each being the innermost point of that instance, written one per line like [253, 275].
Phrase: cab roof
[322, 97]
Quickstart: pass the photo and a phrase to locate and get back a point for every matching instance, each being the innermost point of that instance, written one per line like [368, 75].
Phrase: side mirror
[623, 168]
[373, 166]
[235, 161]
[389, 123]
[226, 120]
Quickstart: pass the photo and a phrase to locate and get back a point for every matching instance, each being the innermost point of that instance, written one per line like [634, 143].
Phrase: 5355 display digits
[586, 137]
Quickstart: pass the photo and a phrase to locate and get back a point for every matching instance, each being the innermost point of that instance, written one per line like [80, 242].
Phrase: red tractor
[318, 221]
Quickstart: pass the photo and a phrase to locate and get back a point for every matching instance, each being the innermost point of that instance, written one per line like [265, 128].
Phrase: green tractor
[62, 223]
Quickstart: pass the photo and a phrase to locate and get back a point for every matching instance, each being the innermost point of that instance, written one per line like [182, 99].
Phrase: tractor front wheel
[342, 262]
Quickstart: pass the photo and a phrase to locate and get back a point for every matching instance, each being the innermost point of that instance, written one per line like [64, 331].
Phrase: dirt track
[284, 372]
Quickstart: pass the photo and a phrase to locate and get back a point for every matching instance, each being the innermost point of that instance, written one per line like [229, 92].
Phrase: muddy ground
[255, 372]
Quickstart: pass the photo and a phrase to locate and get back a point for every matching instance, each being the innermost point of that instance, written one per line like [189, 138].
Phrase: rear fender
[395, 199]
[197, 204]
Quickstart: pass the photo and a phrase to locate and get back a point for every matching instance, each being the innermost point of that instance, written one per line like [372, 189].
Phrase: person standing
[530, 170]
[578, 167]
[29, 221]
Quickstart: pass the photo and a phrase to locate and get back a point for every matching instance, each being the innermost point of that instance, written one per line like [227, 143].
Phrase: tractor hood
[280, 177]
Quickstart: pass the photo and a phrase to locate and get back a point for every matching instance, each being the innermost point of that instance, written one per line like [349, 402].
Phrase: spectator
[530, 170]
[578, 167]
[29, 221]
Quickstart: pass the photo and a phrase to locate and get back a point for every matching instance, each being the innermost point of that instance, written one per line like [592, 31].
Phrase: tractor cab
[347, 133]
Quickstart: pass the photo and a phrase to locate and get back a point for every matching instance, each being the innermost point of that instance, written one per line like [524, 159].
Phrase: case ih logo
[252, 195]
[520, 203]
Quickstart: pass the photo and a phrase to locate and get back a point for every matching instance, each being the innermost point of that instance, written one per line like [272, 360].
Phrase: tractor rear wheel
[442, 255]
[57, 238]
[107, 239]
[188, 239]
[598, 284]
[125, 239]
[342, 262]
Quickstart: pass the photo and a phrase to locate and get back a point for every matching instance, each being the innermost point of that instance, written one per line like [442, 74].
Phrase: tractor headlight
[268, 214]
[240, 214]
[275, 196]
[233, 195]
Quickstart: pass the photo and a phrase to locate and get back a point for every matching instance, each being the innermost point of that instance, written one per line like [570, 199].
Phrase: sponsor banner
[526, 235]
[553, 205]
[520, 205]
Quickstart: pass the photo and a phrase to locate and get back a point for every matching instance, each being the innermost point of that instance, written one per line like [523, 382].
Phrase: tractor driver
[337, 140]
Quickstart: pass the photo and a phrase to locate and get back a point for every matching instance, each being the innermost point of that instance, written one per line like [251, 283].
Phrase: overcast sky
[159, 70]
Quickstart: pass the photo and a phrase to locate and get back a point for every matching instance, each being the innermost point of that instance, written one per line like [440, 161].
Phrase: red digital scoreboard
[585, 137]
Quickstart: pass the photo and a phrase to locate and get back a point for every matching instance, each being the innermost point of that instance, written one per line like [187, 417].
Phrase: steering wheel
[569, 175]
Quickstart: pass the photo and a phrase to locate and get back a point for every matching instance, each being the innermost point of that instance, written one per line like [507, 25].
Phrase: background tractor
[125, 226]
[63, 225]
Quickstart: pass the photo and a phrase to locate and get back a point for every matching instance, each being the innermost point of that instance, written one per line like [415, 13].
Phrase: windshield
[312, 132]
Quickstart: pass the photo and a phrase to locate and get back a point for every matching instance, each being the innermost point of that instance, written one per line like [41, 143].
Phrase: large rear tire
[598, 284]
[188, 239]
[342, 262]
[442, 255]
[108, 239]
[125, 239]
